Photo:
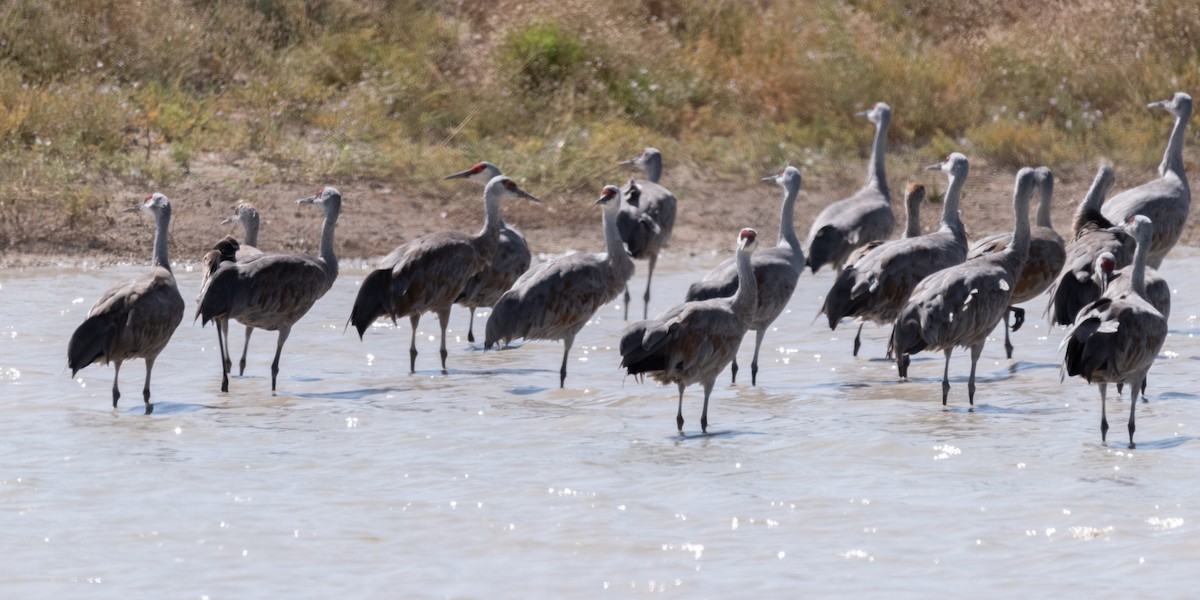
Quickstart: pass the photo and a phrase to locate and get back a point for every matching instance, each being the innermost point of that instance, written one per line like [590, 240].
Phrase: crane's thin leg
[708, 386]
[976, 350]
[902, 366]
[146, 387]
[116, 375]
[858, 339]
[649, 276]
[562, 372]
[224, 363]
[891, 343]
[1134, 386]
[679, 414]
[1103, 415]
[412, 349]
[1008, 347]
[283, 335]
[245, 349]
[733, 368]
[471, 327]
[443, 320]
[627, 298]
[226, 356]
[946, 377]
[758, 338]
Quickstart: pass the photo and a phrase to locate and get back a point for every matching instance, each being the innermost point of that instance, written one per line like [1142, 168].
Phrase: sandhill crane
[861, 218]
[1116, 338]
[914, 196]
[961, 305]
[429, 272]
[694, 341]
[274, 291]
[1165, 200]
[1047, 254]
[511, 260]
[776, 271]
[247, 216]
[555, 300]
[877, 286]
[134, 319]
[647, 217]
[1076, 286]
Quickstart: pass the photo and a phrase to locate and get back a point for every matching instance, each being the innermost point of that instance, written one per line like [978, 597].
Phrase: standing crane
[1166, 200]
[134, 319]
[1076, 285]
[511, 260]
[1047, 254]
[776, 271]
[866, 216]
[430, 272]
[1116, 338]
[692, 342]
[274, 291]
[960, 305]
[876, 287]
[247, 216]
[647, 218]
[555, 300]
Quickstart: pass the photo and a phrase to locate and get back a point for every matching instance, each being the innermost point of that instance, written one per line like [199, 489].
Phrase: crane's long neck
[653, 167]
[1173, 157]
[745, 299]
[1043, 212]
[912, 217]
[250, 231]
[619, 260]
[876, 174]
[950, 216]
[1137, 273]
[787, 227]
[1018, 250]
[488, 238]
[162, 222]
[326, 249]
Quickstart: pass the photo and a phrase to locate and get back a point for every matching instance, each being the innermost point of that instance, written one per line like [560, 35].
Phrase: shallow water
[359, 479]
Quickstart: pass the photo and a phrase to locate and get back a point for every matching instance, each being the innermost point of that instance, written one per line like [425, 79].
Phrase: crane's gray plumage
[1117, 338]
[914, 196]
[866, 216]
[555, 300]
[430, 272]
[877, 286]
[776, 271]
[1047, 254]
[247, 216]
[511, 260]
[274, 291]
[694, 341]
[1076, 285]
[647, 218]
[961, 305]
[1166, 200]
[134, 319]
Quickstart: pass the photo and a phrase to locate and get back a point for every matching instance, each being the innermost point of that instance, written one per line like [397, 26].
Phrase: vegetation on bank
[97, 93]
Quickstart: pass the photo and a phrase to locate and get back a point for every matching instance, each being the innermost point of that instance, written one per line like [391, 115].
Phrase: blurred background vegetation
[97, 93]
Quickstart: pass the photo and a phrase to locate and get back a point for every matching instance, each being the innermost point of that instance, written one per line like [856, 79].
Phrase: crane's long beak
[526, 195]
[132, 209]
[862, 114]
[308, 200]
[937, 167]
[228, 220]
[1159, 104]
[627, 162]
[462, 175]
[770, 178]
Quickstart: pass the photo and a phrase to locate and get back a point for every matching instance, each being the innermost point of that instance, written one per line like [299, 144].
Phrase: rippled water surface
[829, 479]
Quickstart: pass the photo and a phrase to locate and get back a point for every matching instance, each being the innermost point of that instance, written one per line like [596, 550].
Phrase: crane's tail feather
[827, 246]
[372, 300]
[1070, 294]
[91, 341]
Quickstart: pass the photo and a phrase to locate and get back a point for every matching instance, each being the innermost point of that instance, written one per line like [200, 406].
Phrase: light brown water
[360, 480]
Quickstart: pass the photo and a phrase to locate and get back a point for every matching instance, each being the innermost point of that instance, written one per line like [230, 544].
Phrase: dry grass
[97, 93]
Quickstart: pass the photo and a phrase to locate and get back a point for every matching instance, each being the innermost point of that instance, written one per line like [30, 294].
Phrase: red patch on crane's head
[748, 234]
[508, 184]
[478, 168]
